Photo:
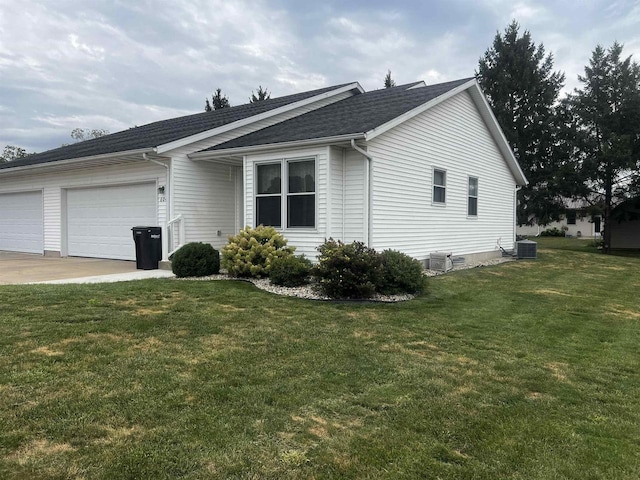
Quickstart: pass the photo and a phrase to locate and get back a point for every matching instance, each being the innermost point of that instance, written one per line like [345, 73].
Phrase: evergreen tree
[522, 89]
[388, 81]
[218, 101]
[261, 94]
[606, 112]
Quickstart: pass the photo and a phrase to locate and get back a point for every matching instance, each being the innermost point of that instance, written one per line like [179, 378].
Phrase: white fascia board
[373, 133]
[70, 161]
[208, 155]
[494, 127]
[255, 118]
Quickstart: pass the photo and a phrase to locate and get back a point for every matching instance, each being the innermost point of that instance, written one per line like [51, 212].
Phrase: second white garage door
[99, 220]
[21, 223]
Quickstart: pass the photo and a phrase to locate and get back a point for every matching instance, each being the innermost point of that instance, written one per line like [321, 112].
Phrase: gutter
[71, 161]
[369, 188]
[515, 212]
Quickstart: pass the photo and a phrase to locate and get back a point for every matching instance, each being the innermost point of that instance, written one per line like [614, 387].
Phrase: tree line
[585, 145]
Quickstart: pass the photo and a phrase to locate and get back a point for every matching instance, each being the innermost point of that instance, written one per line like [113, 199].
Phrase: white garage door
[21, 222]
[99, 220]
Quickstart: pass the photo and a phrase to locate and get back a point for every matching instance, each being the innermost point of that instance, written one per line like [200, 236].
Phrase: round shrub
[290, 271]
[401, 274]
[195, 260]
[251, 252]
[347, 270]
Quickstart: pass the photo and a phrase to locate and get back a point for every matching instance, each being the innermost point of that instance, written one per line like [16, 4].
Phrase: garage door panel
[99, 220]
[21, 222]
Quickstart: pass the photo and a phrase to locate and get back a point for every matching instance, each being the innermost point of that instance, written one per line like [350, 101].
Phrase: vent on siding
[527, 249]
[440, 261]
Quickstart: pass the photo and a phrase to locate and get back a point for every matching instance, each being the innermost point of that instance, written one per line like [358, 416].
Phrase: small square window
[571, 217]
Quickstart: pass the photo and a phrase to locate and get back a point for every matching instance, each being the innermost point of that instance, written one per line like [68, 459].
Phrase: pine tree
[261, 94]
[518, 79]
[606, 110]
[218, 101]
[388, 81]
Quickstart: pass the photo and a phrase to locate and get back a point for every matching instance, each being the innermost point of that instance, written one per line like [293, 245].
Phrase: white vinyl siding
[53, 183]
[21, 222]
[404, 217]
[355, 197]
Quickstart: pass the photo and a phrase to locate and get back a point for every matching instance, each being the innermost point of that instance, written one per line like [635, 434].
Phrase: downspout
[167, 195]
[369, 189]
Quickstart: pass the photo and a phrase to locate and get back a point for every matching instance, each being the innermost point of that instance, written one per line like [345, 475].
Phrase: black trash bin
[148, 247]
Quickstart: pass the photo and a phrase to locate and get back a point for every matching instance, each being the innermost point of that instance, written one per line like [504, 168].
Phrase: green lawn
[528, 370]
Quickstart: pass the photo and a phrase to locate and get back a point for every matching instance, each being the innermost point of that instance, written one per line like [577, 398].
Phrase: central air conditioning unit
[440, 261]
[526, 249]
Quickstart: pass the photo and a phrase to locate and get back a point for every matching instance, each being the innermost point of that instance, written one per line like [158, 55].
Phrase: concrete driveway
[26, 268]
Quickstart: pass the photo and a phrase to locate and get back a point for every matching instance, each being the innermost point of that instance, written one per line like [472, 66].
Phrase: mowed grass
[527, 370]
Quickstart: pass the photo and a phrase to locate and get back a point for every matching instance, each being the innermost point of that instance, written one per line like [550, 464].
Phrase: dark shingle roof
[357, 114]
[165, 131]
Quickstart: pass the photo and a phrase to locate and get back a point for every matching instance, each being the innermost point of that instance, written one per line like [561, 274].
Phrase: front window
[472, 209]
[439, 186]
[571, 217]
[299, 204]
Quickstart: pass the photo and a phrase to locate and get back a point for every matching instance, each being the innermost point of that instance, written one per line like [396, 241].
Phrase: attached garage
[21, 222]
[99, 220]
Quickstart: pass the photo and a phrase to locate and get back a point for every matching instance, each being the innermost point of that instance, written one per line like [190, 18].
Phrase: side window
[472, 203]
[439, 186]
[571, 217]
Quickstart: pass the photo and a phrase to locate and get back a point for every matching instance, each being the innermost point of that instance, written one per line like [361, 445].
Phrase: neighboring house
[576, 222]
[625, 225]
[415, 168]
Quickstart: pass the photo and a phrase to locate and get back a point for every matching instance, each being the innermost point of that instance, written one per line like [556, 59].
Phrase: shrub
[195, 260]
[251, 252]
[347, 270]
[401, 274]
[290, 271]
[552, 232]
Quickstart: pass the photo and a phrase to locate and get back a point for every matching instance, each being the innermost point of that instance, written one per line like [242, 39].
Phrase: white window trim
[477, 179]
[284, 191]
[433, 186]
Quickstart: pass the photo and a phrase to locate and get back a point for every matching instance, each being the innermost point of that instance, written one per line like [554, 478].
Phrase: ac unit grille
[440, 261]
[527, 249]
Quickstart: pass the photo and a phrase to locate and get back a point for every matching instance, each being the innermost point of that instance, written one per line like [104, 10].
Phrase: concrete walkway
[21, 268]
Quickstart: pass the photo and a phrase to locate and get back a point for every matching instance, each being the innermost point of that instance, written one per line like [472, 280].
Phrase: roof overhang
[240, 151]
[84, 162]
[256, 118]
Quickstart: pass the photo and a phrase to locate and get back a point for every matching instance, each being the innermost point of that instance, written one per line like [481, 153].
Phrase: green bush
[350, 270]
[290, 271]
[401, 274]
[552, 232]
[252, 251]
[195, 260]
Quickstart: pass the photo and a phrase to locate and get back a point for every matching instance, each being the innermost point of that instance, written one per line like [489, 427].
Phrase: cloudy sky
[115, 64]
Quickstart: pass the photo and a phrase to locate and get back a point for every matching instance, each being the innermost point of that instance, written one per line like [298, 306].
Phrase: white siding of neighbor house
[450, 136]
[206, 193]
[584, 227]
[53, 185]
[304, 239]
